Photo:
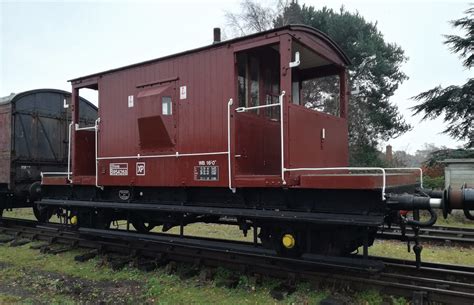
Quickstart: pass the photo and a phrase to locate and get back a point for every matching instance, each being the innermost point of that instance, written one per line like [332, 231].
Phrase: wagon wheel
[94, 219]
[43, 214]
[284, 240]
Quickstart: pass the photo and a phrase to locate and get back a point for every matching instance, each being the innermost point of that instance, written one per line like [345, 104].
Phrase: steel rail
[438, 282]
[435, 234]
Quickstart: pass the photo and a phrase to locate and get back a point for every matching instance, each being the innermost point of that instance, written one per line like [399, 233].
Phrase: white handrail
[175, 155]
[42, 174]
[381, 169]
[229, 165]
[96, 127]
[69, 154]
[244, 109]
[282, 147]
[76, 127]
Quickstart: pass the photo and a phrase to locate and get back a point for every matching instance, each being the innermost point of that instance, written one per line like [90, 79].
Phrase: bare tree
[254, 17]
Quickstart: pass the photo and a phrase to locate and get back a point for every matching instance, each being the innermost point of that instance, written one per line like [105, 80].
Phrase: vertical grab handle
[282, 139]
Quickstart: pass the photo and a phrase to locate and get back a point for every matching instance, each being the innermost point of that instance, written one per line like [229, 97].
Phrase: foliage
[463, 45]
[366, 155]
[434, 171]
[369, 297]
[428, 156]
[442, 154]
[433, 183]
[455, 102]
[375, 69]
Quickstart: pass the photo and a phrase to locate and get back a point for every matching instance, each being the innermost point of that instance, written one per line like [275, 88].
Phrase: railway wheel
[285, 241]
[43, 214]
[339, 241]
[95, 219]
[290, 243]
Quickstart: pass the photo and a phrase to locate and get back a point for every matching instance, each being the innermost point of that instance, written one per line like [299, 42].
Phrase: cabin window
[295, 89]
[272, 90]
[248, 80]
[166, 105]
[315, 82]
[242, 79]
[254, 82]
[258, 80]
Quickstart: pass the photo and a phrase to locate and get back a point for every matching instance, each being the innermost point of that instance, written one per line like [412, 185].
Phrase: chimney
[388, 153]
[217, 35]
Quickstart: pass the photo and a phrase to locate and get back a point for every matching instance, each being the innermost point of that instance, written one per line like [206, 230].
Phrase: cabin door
[257, 149]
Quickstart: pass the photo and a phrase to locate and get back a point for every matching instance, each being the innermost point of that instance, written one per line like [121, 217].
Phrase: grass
[24, 213]
[456, 219]
[214, 231]
[157, 286]
[430, 253]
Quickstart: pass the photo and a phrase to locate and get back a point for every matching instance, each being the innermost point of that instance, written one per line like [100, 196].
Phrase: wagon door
[257, 131]
[157, 117]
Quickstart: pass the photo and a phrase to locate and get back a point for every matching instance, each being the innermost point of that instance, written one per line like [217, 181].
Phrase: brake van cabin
[263, 106]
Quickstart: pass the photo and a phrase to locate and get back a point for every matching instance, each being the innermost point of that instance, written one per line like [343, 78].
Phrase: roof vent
[217, 35]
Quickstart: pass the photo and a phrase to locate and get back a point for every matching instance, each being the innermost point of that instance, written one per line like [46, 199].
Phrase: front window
[322, 94]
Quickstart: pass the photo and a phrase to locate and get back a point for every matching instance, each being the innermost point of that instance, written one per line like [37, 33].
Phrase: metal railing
[383, 171]
[380, 169]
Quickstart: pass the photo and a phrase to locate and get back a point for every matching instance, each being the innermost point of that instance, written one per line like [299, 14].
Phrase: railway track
[435, 234]
[443, 283]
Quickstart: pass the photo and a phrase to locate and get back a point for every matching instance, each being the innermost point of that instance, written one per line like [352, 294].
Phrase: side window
[254, 82]
[248, 80]
[242, 79]
[166, 105]
[295, 89]
[271, 89]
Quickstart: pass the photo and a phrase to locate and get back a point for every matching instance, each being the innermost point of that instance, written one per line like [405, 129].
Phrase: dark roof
[467, 160]
[299, 27]
[14, 96]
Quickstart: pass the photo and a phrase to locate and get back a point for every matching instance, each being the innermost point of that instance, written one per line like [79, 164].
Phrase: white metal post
[69, 153]
[229, 164]
[97, 154]
[282, 145]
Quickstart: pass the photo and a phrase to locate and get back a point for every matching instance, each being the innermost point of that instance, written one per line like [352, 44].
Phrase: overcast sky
[44, 44]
